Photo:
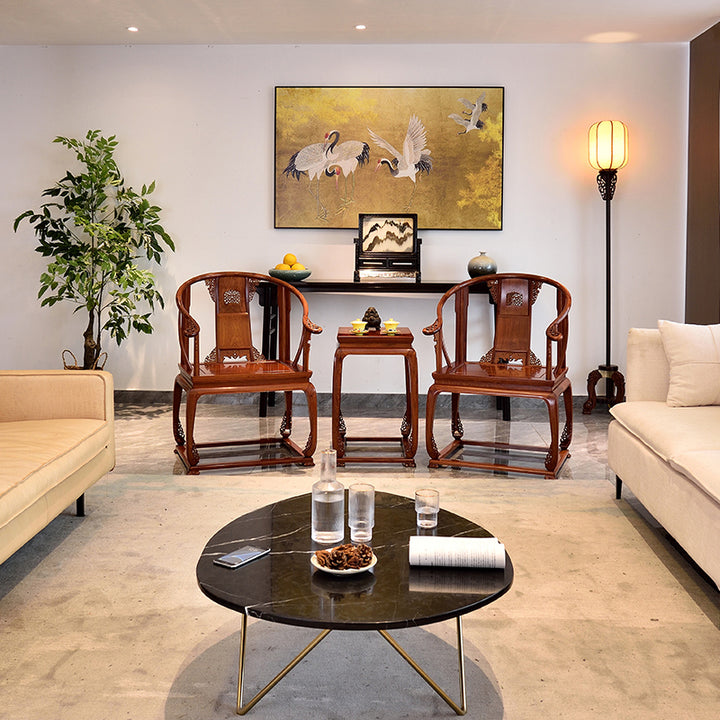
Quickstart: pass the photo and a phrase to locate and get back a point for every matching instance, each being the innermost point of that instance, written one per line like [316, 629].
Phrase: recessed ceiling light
[361, 27]
[132, 28]
[612, 37]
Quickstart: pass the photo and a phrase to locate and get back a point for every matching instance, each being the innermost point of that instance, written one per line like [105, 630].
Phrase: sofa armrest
[648, 372]
[51, 394]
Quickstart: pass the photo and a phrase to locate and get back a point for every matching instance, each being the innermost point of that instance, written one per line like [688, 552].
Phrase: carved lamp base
[614, 387]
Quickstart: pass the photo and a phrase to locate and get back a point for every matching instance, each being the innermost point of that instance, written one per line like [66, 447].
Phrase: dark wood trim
[702, 278]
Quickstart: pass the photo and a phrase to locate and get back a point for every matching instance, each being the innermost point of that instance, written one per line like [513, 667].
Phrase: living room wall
[199, 120]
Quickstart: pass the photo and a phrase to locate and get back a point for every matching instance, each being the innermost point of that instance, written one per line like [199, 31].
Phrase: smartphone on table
[241, 556]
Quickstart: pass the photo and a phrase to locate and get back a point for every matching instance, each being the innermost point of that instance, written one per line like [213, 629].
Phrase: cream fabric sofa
[665, 447]
[57, 438]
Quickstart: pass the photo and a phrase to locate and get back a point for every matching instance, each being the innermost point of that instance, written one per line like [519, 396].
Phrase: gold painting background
[462, 191]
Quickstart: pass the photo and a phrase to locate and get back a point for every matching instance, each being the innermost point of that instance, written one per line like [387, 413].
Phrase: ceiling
[211, 22]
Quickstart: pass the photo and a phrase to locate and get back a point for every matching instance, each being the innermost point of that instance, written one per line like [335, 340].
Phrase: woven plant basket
[99, 363]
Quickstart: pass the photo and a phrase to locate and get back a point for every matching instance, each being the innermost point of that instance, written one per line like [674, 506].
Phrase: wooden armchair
[235, 365]
[508, 369]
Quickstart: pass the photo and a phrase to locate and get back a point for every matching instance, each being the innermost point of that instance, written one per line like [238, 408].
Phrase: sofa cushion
[693, 352]
[703, 468]
[670, 431]
[39, 454]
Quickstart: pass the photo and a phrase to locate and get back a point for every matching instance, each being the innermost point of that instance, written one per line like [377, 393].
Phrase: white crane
[472, 120]
[345, 158]
[415, 156]
[311, 161]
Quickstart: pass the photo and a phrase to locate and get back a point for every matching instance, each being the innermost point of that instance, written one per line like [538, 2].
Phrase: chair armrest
[188, 329]
[436, 327]
[554, 329]
[441, 353]
[309, 328]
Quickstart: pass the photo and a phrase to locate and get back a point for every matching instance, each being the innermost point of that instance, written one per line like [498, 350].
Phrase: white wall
[199, 120]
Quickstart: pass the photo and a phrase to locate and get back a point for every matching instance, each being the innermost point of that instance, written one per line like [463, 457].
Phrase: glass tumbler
[361, 512]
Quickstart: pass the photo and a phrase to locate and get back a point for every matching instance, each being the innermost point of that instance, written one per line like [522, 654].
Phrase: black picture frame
[387, 246]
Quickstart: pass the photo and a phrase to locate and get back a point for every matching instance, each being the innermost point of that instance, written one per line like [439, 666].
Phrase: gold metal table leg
[459, 709]
[241, 709]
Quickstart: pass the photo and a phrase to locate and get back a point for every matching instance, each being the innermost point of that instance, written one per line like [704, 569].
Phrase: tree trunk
[91, 348]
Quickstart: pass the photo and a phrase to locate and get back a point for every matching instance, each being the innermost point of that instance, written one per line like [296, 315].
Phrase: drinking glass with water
[427, 505]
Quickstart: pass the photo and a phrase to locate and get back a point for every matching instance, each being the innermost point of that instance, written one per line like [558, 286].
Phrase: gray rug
[101, 617]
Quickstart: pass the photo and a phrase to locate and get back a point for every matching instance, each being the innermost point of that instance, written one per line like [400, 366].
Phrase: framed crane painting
[436, 152]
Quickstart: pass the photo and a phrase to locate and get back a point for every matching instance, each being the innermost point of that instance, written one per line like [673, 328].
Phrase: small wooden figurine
[372, 319]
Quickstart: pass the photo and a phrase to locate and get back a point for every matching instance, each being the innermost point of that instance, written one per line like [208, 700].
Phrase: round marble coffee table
[284, 587]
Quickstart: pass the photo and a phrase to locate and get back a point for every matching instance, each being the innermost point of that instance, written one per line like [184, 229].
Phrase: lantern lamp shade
[608, 145]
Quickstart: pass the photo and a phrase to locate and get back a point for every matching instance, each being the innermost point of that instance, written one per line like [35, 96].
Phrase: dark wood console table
[372, 286]
[375, 286]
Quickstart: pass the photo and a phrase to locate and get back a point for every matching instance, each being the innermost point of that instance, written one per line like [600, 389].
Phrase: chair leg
[405, 425]
[177, 425]
[430, 445]
[553, 454]
[193, 457]
[411, 409]
[566, 437]
[286, 423]
[311, 444]
[456, 423]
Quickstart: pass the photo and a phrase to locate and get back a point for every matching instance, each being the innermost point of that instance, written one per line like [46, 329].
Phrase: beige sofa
[664, 442]
[57, 438]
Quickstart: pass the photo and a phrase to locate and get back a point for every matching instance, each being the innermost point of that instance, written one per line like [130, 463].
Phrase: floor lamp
[607, 153]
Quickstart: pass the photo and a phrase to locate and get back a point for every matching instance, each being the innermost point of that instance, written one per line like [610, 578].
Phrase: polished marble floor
[145, 443]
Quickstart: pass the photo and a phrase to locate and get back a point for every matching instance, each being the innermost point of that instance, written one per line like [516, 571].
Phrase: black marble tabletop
[284, 587]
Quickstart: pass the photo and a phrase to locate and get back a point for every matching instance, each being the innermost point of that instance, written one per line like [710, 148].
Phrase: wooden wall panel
[702, 286]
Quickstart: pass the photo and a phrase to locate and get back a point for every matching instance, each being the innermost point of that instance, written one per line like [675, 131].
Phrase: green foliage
[94, 232]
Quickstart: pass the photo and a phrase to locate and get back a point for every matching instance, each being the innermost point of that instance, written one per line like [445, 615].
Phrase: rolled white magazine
[430, 550]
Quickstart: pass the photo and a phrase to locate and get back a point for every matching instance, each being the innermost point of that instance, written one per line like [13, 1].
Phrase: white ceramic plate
[349, 571]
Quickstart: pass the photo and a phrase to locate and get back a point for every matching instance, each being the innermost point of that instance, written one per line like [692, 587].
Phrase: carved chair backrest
[233, 295]
[513, 298]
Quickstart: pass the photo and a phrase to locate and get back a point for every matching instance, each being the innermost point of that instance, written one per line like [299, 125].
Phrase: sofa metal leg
[80, 506]
[618, 488]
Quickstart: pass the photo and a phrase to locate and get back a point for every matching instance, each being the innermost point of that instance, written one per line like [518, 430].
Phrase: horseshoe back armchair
[508, 369]
[235, 365]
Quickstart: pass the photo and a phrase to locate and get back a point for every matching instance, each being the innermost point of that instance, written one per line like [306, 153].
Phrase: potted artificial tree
[95, 232]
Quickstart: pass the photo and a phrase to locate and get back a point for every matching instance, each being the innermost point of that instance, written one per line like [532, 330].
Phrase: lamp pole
[607, 180]
[607, 149]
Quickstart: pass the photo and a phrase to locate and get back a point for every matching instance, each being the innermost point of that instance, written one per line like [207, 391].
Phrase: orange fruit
[297, 266]
[282, 266]
[289, 259]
